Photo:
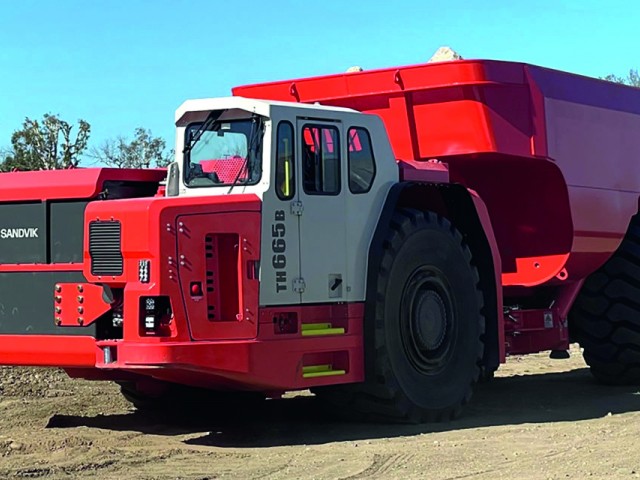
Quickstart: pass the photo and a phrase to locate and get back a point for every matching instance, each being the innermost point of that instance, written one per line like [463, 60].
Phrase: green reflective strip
[315, 326]
[309, 329]
[313, 371]
[316, 368]
[287, 180]
[326, 331]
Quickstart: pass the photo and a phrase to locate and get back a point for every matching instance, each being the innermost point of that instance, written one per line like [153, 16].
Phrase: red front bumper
[252, 364]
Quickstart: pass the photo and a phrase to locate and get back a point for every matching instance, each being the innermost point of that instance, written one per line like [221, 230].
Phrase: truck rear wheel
[428, 326]
[605, 318]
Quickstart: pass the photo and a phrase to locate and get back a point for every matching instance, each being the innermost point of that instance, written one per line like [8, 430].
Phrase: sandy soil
[539, 418]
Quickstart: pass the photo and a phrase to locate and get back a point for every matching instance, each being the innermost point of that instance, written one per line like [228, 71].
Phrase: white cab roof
[261, 107]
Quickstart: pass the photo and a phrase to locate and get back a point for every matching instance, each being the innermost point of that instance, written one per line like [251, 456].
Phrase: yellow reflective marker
[313, 329]
[313, 371]
[287, 180]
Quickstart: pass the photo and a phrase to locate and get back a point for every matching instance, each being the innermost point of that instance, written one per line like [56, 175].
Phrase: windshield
[224, 153]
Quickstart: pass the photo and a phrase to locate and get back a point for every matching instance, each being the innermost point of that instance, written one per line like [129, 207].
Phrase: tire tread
[605, 318]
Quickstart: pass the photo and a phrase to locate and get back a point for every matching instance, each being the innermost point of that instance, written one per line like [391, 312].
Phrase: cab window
[321, 160]
[362, 166]
[223, 153]
[285, 179]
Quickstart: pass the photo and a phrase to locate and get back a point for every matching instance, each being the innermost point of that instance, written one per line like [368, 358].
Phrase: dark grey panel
[23, 233]
[26, 303]
[126, 189]
[67, 230]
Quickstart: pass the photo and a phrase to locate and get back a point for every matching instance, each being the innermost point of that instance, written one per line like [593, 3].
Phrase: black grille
[105, 241]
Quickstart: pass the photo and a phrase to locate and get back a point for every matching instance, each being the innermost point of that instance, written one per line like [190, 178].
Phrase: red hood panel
[68, 184]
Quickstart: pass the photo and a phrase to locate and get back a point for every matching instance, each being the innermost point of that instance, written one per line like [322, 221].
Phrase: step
[314, 371]
[317, 329]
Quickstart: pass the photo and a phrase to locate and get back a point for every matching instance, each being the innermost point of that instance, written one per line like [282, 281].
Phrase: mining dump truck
[385, 238]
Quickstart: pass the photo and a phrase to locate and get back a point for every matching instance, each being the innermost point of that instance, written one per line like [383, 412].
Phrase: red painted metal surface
[171, 234]
[78, 304]
[227, 169]
[485, 220]
[40, 267]
[432, 171]
[271, 361]
[68, 184]
[47, 350]
[528, 202]
[218, 251]
[529, 331]
[450, 108]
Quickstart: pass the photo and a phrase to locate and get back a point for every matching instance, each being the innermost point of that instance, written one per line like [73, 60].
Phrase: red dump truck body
[552, 154]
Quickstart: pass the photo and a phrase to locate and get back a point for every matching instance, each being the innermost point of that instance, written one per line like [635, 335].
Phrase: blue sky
[122, 64]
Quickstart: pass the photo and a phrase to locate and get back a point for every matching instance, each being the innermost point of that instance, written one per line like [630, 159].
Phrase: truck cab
[321, 173]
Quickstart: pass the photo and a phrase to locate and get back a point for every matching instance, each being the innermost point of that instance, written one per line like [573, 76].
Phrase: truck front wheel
[187, 400]
[428, 327]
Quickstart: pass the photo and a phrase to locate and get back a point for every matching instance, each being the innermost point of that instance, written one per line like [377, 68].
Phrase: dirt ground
[539, 418]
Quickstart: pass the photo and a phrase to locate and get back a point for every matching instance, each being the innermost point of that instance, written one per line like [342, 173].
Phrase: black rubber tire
[187, 399]
[605, 318]
[487, 375]
[424, 371]
[141, 401]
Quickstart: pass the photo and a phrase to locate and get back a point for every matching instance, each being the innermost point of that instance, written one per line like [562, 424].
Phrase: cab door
[280, 264]
[320, 207]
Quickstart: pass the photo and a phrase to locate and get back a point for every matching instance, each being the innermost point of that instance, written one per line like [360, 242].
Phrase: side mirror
[173, 180]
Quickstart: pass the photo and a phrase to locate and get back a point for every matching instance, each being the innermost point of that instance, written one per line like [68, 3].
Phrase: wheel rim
[427, 320]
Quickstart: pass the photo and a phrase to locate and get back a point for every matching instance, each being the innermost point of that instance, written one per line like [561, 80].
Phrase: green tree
[144, 151]
[46, 144]
[4, 153]
[633, 78]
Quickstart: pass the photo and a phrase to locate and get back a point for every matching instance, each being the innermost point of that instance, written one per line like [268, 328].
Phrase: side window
[320, 160]
[285, 179]
[362, 166]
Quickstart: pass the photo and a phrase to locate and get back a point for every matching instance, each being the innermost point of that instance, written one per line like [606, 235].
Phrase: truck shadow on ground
[535, 398]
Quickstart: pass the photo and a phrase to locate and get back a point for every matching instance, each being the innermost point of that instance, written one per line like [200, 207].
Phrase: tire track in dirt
[382, 464]
[38, 472]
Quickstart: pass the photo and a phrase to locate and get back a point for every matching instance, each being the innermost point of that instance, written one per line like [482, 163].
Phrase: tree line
[52, 143]
[632, 79]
